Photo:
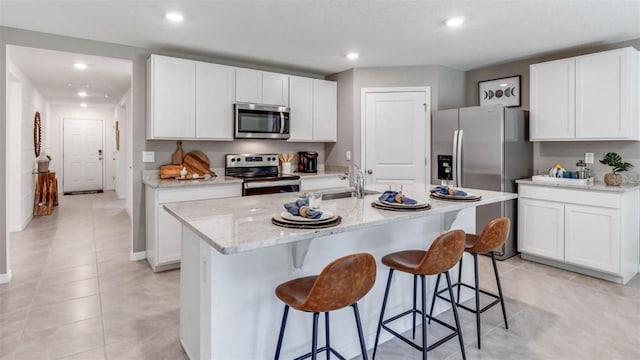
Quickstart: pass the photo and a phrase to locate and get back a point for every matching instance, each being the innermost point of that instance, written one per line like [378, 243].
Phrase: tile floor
[76, 295]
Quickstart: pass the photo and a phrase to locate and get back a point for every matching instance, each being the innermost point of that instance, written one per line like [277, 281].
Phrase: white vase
[286, 168]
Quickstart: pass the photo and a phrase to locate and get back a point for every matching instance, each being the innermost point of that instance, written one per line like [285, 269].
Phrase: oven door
[270, 187]
[261, 121]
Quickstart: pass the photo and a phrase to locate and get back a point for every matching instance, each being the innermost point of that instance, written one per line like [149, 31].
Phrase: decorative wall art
[37, 134]
[117, 136]
[504, 91]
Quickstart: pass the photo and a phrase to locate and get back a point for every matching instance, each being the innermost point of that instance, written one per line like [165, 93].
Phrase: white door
[592, 237]
[275, 89]
[325, 110]
[541, 228]
[552, 88]
[214, 101]
[301, 101]
[82, 155]
[396, 136]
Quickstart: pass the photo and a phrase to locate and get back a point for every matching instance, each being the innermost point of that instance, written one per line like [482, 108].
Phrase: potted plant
[617, 165]
[43, 163]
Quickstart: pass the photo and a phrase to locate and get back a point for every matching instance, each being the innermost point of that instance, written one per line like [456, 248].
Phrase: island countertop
[236, 225]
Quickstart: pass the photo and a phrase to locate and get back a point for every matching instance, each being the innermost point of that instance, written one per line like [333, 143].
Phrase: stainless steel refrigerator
[483, 148]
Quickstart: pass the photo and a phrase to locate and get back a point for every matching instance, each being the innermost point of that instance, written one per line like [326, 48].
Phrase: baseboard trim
[137, 256]
[5, 278]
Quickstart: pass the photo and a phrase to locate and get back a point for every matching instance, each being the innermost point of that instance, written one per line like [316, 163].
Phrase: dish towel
[445, 190]
[396, 197]
[301, 208]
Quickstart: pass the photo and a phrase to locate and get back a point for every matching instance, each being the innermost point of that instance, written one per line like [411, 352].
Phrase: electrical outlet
[347, 155]
[588, 158]
[148, 156]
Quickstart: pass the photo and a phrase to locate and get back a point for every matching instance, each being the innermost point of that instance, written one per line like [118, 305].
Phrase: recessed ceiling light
[83, 105]
[82, 94]
[106, 96]
[455, 21]
[353, 56]
[174, 17]
[80, 66]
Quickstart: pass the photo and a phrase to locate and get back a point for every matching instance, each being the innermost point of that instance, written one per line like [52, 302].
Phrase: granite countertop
[320, 173]
[236, 225]
[591, 187]
[156, 182]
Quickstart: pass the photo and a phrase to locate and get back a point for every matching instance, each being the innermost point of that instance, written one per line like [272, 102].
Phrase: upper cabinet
[589, 97]
[313, 105]
[189, 99]
[259, 87]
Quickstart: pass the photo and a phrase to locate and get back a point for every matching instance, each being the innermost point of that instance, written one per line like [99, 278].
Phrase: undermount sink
[346, 194]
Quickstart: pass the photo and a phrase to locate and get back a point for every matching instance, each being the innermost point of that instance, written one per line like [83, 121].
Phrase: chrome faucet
[356, 181]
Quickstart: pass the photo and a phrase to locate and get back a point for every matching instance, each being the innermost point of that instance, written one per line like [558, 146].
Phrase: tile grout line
[104, 338]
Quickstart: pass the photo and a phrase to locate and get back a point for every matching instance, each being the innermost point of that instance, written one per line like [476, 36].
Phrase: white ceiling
[315, 35]
[105, 80]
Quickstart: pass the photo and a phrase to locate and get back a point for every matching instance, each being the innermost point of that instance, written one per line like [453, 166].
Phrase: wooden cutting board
[176, 158]
[170, 171]
[197, 162]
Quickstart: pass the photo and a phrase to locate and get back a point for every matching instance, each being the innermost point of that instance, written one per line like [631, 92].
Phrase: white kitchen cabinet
[171, 97]
[214, 101]
[189, 99]
[301, 103]
[552, 88]
[314, 114]
[164, 231]
[591, 237]
[325, 110]
[318, 182]
[588, 231]
[607, 95]
[259, 87]
[542, 228]
[589, 97]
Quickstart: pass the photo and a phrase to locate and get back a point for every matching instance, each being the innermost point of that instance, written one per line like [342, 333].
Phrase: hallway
[75, 294]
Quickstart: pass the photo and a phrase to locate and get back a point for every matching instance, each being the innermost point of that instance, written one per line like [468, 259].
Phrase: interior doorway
[82, 155]
[396, 134]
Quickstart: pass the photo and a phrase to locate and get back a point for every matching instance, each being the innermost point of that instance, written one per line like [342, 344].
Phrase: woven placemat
[460, 199]
[325, 225]
[390, 208]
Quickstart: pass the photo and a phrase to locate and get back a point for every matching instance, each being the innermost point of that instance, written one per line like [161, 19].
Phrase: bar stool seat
[444, 253]
[342, 283]
[493, 235]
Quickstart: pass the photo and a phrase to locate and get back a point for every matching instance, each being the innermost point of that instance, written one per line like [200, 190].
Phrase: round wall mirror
[37, 134]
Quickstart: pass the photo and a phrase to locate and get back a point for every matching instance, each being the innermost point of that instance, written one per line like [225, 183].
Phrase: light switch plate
[347, 155]
[588, 158]
[148, 156]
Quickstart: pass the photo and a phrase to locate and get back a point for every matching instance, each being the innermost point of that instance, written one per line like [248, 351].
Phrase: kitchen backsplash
[546, 154]
[217, 150]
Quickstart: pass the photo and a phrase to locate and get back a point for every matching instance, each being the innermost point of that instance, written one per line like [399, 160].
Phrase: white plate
[418, 204]
[326, 215]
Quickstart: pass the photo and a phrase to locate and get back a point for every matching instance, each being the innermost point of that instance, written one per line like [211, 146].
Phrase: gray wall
[447, 90]
[545, 153]
[138, 56]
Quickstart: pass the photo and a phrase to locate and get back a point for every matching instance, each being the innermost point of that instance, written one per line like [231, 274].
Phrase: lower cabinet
[164, 232]
[578, 230]
[310, 183]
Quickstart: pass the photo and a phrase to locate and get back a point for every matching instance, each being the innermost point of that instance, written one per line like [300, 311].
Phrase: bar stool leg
[384, 305]
[363, 347]
[415, 281]
[433, 301]
[326, 334]
[424, 322]
[459, 280]
[477, 290]
[281, 336]
[314, 340]
[454, 307]
[495, 271]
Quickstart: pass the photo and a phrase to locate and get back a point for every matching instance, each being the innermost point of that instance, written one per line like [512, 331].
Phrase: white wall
[20, 149]
[106, 114]
[122, 116]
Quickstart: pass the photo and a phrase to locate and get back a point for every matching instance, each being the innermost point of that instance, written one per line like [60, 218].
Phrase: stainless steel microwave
[255, 121]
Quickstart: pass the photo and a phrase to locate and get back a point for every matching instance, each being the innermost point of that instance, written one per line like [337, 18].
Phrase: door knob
[369, 171]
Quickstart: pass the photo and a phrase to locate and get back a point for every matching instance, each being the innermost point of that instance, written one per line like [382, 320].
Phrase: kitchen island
[234, 257]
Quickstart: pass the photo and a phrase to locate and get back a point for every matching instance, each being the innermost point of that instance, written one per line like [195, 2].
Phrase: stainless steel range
[260, 174]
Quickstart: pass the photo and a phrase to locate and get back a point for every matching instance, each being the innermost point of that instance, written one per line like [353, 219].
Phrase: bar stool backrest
[493, 236]
[444, 253]
[342, 283]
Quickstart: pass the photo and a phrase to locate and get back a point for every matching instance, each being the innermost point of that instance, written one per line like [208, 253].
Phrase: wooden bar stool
[444, 253]
[492, 237]
[341, 283]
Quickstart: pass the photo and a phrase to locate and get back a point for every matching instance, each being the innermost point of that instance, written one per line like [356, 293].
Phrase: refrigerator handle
[454, 158]
[459, 155]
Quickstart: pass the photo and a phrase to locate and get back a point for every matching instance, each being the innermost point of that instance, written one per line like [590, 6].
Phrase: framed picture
[504, 91]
